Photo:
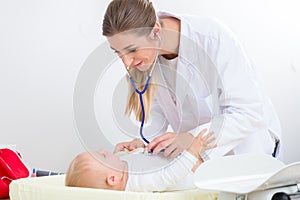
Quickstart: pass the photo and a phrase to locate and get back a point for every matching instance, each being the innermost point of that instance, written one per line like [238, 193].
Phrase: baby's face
[96, 166]
[108, 159]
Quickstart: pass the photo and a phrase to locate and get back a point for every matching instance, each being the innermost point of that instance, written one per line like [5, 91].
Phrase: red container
[12, 167]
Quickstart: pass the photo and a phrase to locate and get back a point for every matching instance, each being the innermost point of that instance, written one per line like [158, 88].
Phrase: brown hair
[125, 15]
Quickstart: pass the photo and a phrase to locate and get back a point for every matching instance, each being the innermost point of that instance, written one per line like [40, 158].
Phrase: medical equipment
[38, 173]
[250, 177]
[287, 196]
[145, 88]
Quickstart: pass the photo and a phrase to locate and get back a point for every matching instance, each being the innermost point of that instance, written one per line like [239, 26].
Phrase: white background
[44, 43]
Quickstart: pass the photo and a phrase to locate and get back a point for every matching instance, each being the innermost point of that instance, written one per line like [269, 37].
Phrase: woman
[202, 77]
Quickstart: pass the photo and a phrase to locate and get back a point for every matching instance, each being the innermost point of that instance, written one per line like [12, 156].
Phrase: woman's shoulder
[204, 25]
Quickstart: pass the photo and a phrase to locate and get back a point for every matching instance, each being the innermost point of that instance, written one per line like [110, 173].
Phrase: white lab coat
[215, 87]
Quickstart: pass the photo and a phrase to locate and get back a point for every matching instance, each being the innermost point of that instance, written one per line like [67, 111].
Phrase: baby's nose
[103, 151]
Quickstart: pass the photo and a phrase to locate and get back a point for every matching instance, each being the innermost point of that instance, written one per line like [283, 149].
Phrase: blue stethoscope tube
[144, 90]
[142, 104]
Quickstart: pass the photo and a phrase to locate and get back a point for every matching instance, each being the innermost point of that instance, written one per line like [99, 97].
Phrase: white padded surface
[52, 187]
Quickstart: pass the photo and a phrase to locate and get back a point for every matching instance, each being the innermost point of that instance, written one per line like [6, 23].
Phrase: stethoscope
[145, 88]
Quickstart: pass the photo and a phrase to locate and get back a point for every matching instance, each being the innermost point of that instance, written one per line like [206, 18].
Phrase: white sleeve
[163, 179]
[240, 99]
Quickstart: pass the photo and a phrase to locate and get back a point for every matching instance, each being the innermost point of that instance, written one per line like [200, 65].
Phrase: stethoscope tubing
[142, 104]
[144, 90]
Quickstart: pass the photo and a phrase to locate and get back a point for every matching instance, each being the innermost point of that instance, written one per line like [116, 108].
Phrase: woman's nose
[127, 60]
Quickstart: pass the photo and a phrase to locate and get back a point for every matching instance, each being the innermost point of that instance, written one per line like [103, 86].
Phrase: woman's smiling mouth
[139, 64]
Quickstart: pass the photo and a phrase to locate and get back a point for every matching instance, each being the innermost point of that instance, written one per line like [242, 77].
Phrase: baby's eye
[132, 50]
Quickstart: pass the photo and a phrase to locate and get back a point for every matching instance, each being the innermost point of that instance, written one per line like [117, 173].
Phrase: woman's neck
[170, 37]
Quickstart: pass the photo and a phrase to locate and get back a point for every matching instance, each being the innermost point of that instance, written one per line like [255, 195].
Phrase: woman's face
[135, 51]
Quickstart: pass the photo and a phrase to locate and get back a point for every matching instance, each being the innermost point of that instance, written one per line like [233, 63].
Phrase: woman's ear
[156, 30]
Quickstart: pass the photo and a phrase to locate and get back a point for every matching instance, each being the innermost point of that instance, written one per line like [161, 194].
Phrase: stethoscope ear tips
[155, 35]
[281, 196]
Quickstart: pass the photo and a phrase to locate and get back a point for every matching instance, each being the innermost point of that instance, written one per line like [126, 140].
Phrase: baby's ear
[112, 180]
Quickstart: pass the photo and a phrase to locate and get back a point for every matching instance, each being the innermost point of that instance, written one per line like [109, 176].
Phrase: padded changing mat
[52, 187]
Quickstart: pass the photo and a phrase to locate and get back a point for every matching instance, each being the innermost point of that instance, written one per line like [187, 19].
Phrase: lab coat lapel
[183, 78]
[166, 102]
[184, 72]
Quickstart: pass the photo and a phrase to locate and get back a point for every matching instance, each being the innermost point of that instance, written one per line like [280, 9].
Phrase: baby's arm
[165, 178]
[200, 144]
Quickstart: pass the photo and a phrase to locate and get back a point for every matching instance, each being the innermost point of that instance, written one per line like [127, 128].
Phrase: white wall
[43, 45]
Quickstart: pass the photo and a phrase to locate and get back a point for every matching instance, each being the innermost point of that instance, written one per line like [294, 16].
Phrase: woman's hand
[173, 144]
[134, 144]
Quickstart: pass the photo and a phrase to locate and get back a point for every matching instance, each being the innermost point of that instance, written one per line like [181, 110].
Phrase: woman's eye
[118, 53]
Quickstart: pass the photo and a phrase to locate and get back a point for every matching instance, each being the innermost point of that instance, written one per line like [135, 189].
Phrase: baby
[105, 170]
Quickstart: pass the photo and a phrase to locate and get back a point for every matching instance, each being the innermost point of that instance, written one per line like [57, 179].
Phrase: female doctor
[200, 77]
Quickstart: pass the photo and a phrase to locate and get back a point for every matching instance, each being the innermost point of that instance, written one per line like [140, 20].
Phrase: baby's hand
[202, 143]
[134, 144]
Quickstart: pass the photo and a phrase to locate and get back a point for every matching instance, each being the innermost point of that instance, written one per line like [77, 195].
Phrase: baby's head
[98, 169]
